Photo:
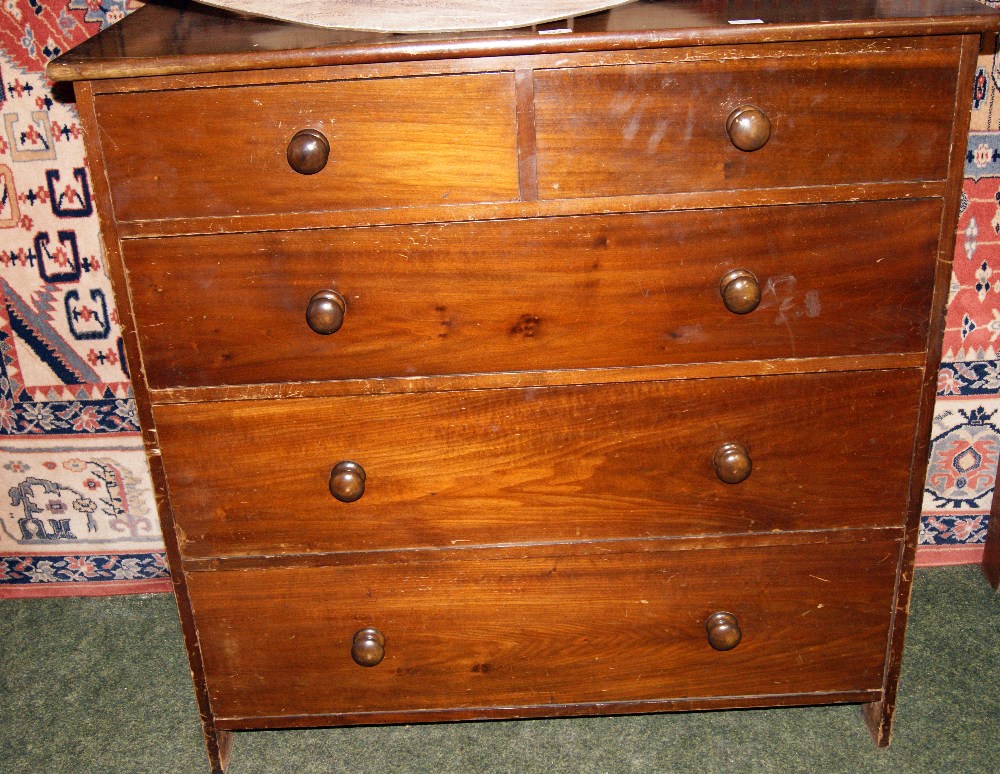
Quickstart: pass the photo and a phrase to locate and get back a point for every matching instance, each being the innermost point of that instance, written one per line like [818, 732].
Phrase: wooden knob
[723, 631]
[325, 312]
[308, 151]
[732, 463]
[347, 481]
[749, 128]
[368, 649]
[740, 291]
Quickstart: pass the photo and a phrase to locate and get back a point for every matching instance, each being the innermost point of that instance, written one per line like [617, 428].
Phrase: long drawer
[392, 142]
[558, 463]
[575, 292]
[599, 623]
[851, 113]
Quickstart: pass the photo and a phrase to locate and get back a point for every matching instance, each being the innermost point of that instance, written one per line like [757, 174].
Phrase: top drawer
[838, 113]
[393, 142]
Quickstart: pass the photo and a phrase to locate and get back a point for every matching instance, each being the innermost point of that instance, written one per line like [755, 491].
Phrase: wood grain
[573, 463]
[600, 205]
[878, 715]
[631, 374]
[510, 62]
[526, 152]
[991, 554]
[565, 549]
[549, 710]
[218, 742]
[540, 294]
[843, 118]
[188, 38]
[541, 529]
[532, 628]
[394, 142]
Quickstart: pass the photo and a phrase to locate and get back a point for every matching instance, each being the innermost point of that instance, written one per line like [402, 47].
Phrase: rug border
[949, 555]
[86, 589]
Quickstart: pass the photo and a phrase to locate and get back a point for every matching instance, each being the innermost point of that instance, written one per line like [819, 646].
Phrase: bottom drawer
[547, 625]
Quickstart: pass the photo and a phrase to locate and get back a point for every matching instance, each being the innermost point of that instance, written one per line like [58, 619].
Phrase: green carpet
[102, 685]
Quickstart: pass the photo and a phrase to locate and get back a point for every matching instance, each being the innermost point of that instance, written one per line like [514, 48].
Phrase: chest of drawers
[526, 374]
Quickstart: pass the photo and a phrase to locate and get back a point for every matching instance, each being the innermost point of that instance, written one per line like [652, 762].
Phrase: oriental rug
[77, 513]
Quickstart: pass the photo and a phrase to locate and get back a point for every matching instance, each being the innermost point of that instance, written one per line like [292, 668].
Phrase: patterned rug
[966, 435]
[78, 515]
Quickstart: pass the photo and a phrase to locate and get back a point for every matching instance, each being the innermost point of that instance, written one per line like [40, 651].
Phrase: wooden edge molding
[598, 205]
[548, 710]
[818, 50]
[558, 548]
[878, 715]
[455, 382]
[527, 151]
[81, 65]
[217, 742]
[991, 551]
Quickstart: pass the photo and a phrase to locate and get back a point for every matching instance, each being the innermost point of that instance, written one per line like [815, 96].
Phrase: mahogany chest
[562, 371]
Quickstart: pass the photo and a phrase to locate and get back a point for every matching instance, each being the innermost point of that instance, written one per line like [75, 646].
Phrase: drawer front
[536, 464]
[851, 117]
[545, 626]
[536, 294]
[393, 142]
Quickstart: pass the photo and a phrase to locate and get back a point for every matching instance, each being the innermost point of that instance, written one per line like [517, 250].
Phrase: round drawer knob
[368, 649]
[749, 128]
[723, 631]
[308, 151]
[325, 312]
[740, 291]
[732, 463]
[347, 481]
